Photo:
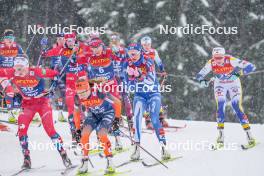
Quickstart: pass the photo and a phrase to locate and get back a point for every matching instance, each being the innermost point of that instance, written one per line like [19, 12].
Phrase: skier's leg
[220, 92]
[117, 109]
[89, 124]
[45, 113]
[70, 105]
[235, 92]
[102, 130]
[139, 106]
[154, 104]
[24, 120]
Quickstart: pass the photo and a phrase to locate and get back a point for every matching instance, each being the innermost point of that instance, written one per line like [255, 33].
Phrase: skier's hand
[204, 83]
[116, 124]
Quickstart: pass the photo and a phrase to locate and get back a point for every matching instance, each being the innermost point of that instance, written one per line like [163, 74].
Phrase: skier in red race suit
[31, 85]
[9, 49]
[100, 70]
[77, 52]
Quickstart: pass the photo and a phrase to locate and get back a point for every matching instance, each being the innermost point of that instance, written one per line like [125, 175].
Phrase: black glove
[78, 134]
[116, 124]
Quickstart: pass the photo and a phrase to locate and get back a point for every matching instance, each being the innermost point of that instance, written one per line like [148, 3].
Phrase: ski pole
[38, 26]
[44, 44]
[61, 74]
[144, 150]
[90, 162]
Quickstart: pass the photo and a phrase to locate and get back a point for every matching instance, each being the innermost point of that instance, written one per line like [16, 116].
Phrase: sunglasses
[133, 54]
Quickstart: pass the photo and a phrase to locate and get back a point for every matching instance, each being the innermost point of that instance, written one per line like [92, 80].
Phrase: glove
[44, 42]
[136, 73]
[73, 58]
[130, 123]
[130, 71]
[115, 49]
[116, 125]
[78, 134]
[204, 83]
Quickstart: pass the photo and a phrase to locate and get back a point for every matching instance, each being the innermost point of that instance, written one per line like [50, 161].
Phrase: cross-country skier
[101, 70]
[30, 83]
[226, 70]
[120, 67]
[55, 64]
[152, 53]
[9, 49]
[141, 73]
[78, 53]
[99, 117]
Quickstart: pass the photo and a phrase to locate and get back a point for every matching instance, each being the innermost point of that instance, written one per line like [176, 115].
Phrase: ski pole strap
[144, 149]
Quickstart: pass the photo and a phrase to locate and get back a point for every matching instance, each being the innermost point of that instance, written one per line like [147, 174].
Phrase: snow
[114, 13]
[255, 16]
[205, 21]
[160, 4]
[205, 3]
[131, 15]
[183, 19]
[191, 143]
[144, 31]
[200, 50]
[257, 45]
[180, 66]
[164, 46]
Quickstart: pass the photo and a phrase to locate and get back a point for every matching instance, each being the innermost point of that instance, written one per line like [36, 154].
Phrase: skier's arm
[204, 71]
[242, 66]
[46, 73]
[151, 76]
[7, 72]
[158, 61]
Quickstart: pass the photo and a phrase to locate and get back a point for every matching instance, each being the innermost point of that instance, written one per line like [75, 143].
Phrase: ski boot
[220, 140]
[148, 121]
[11, 118]
[251, 141]
[110, 168]
[136, 154]
[27, 162]
[84, 165]
[118, 145]
[61, 117]
[165, 155]
[66, 161]
[74, 139]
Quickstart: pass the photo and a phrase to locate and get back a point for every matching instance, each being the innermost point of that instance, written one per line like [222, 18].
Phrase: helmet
[134, 46]
[145, 40]
[218, 50]
[70, 35]
[21, 60]
[96, 42]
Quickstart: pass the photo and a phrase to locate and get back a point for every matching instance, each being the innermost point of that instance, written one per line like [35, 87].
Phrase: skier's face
[83, 89]
[146, 46]
[60, 41]
[21, 70]
[97, 50]
[70, 42]
[8, 41]
[134, 55]
[219, 58]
